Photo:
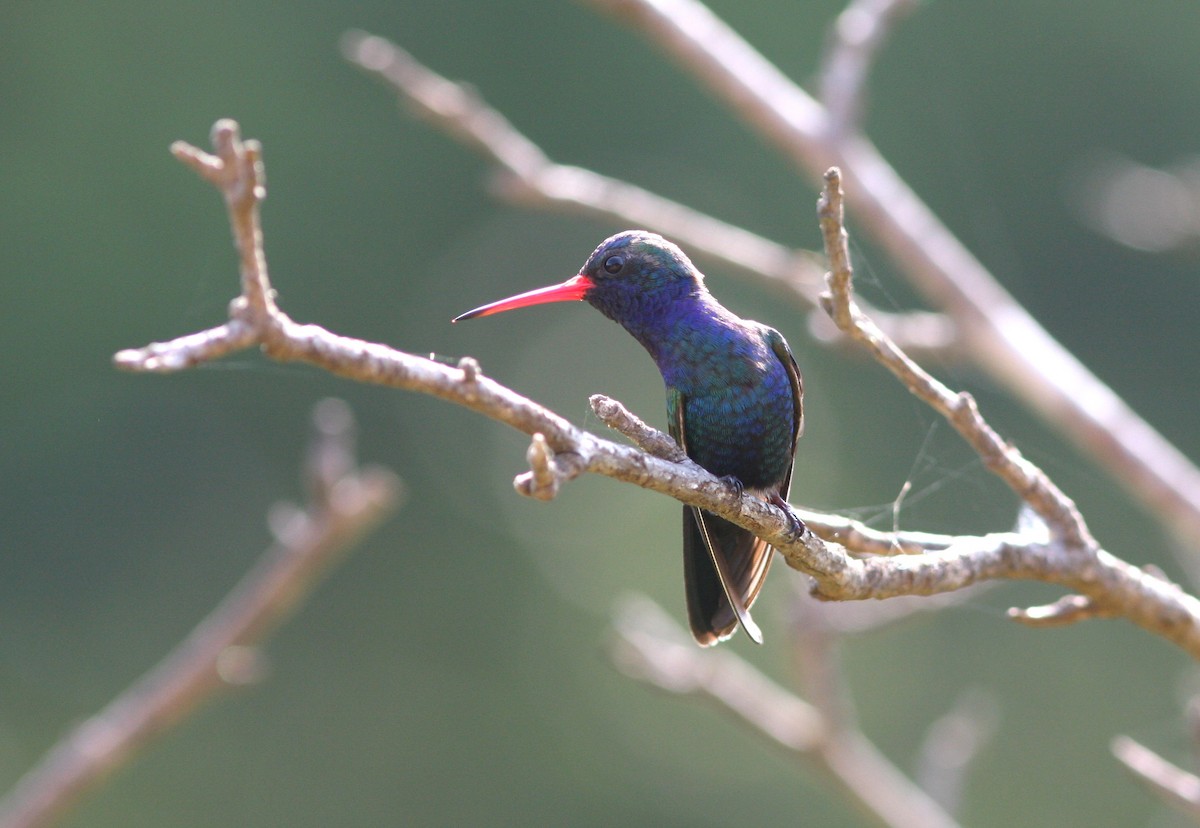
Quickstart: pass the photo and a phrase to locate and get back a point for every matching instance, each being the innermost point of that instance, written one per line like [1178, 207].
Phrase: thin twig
[221, 651]
[649, 439]
[1070, 609]
[1029, 482]
[1142, 597]
[534, 179]
[1070, 546]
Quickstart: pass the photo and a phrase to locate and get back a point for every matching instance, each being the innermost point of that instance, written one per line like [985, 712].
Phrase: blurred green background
[454, 670]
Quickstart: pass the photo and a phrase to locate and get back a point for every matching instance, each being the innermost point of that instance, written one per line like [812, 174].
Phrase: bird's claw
[797, 529]
[733, 483]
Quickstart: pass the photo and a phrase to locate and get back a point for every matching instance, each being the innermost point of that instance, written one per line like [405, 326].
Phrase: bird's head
[630, 277]
[636, 274]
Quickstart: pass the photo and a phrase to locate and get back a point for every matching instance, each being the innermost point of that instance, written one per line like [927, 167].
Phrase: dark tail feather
[744, 560]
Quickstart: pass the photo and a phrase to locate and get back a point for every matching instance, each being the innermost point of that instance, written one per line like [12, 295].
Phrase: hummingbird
[735, 405]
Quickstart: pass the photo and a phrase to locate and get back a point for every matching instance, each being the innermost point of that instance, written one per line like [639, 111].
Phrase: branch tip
[542, 480]
[649, 439]
[366, 50]
[1070, 609]
[225, 137]
[206, 165]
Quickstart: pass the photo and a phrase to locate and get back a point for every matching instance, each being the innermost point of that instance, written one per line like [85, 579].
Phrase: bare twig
[531, 178]
[1070, 609]
[1173, 784]
[999, 334]
[650, 440]
[1142, 597]
[1034, 488]
[652, 648]
[344, 503]
[1069, 542]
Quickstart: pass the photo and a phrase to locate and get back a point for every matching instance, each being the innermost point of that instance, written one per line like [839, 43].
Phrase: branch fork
[891, 564]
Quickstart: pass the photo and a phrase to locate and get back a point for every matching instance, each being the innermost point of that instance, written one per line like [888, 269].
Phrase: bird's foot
[733, 483]
[797, 529]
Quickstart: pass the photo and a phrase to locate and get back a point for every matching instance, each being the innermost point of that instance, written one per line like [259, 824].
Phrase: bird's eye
[613, 264]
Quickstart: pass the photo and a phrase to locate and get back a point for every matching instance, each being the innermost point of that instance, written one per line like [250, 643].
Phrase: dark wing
[780, 347]
[724, 565]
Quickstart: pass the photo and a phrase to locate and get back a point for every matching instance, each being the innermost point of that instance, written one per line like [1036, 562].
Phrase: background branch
[1171, 783]
[222, 651]
[854, 40]
[652, 648]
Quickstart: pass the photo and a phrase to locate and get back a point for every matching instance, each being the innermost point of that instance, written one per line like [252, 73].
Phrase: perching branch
[344, 503]
[1067, 557]
[999, 334]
